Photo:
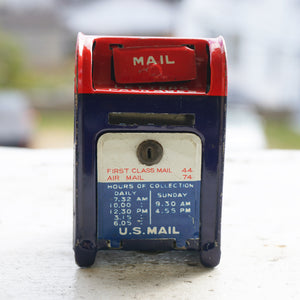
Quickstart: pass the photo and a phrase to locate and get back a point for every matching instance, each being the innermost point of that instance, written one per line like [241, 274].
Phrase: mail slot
[149, 145]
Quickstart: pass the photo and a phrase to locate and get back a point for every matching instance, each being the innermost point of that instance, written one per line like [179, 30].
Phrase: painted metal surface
[96, 52]
[154, 64]
[140, 202]
[204, 99]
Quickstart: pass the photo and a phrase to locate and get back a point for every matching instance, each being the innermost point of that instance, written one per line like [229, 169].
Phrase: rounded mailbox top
[150, 65]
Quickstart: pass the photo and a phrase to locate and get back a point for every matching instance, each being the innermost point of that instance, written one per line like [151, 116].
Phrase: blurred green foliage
[11, 62]
[58, 120]
[15, 71]
[54, 129]
[281, 135]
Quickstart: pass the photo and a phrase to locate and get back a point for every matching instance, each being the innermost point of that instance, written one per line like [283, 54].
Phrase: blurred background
[37, 44]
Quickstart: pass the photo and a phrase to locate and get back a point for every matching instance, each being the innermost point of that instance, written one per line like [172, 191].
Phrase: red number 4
[185, 170]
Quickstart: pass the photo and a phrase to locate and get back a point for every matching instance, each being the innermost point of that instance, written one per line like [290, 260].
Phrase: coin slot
[157, 119]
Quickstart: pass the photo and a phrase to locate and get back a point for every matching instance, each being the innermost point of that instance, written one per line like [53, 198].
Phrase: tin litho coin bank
[149, 145]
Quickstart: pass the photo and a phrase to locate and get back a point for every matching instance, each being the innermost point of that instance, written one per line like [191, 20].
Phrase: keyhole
[149, 152]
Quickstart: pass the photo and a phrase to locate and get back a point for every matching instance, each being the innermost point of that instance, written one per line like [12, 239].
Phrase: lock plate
[142, 201]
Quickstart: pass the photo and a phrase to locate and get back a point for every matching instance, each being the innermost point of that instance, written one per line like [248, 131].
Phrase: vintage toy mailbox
[149, 145]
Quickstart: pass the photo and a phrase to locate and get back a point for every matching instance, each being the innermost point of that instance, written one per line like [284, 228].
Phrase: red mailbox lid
[154, 64]
[150, 65]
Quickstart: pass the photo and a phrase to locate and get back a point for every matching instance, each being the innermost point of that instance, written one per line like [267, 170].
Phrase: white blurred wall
[263, 44]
